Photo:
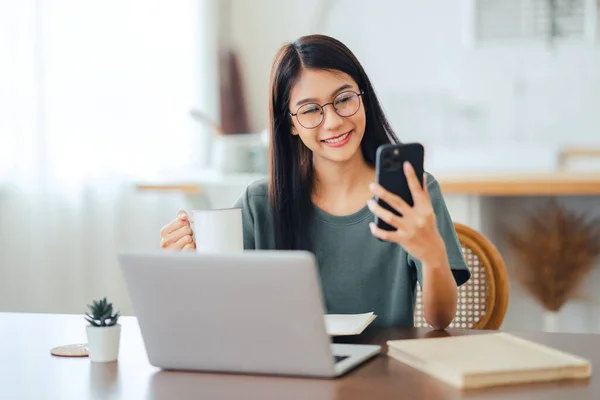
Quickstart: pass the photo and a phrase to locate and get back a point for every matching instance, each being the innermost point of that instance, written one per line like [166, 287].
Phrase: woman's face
[337, 137]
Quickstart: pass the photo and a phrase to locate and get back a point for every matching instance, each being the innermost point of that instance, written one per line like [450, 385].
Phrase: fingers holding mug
[178, 233]
[180, 243]
[189, 247]
[180, 221]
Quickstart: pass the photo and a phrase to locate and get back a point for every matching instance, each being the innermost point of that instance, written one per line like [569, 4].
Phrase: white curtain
[94, 95]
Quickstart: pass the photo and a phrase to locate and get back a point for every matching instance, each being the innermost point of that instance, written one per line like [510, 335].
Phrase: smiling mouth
[337, 139]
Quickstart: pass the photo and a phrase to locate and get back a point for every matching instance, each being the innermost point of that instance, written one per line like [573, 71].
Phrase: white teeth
[336, 140]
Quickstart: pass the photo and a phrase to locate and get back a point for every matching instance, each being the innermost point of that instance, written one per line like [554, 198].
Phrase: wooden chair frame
[494, 263]
[497, 295]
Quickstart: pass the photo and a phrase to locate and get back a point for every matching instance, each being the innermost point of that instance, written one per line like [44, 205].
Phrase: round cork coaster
[71, 350]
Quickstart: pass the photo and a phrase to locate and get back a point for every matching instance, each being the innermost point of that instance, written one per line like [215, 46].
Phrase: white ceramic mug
[218, 231]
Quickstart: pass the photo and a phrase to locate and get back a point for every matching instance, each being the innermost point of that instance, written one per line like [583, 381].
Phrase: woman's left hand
[416, 228]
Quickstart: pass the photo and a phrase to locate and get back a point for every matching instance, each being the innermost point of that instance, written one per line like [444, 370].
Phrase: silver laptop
[258, 312]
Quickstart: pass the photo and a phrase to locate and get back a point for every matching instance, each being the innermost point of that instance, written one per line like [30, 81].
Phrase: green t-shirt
[358, 272]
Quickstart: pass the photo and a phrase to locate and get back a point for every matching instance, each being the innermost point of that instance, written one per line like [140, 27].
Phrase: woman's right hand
[177, 234]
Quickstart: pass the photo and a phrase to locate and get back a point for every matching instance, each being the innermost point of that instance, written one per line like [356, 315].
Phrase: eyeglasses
[345, 104]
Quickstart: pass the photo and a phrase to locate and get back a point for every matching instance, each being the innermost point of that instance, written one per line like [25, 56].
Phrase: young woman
[325, 127]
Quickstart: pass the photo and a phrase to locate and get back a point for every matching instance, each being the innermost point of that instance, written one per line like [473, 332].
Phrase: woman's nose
[331, 118]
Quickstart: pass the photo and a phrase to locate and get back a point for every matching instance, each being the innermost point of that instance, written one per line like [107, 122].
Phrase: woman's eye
[309, 110]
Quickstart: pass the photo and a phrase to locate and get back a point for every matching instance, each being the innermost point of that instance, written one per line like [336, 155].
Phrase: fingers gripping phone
[389, 163]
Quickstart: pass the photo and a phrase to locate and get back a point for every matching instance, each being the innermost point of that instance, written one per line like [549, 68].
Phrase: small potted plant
[103, 332]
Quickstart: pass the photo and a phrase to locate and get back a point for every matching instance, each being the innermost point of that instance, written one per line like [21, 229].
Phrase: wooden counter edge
[492, 184]
[548, 184]
[191, 188]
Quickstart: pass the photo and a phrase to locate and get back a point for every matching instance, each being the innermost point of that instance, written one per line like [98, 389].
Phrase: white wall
[414, 55]
[439, 92]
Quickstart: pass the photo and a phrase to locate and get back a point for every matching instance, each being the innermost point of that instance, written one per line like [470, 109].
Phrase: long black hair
[291, 163]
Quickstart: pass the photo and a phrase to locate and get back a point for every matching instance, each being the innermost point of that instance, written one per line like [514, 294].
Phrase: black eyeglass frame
[322, 106]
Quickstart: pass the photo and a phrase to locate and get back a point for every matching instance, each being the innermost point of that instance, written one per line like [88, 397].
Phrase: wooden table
[28, 371]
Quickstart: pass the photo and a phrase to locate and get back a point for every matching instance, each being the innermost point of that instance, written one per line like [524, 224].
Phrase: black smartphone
[390, 173]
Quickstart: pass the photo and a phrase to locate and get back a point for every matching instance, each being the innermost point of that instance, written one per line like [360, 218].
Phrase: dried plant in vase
[556, 249]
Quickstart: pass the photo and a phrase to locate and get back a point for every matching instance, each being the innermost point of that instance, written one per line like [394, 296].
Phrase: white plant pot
[103, 342]
[551, 323]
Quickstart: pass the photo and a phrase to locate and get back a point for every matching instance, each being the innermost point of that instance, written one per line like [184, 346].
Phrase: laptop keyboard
[339, 358]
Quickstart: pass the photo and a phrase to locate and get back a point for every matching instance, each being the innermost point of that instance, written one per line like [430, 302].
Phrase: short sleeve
[243, 202]
[456, 259]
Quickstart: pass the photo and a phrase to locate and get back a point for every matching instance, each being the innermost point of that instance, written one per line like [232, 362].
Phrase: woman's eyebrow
[345, 86]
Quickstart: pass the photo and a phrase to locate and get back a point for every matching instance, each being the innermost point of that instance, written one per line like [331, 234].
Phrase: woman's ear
[294, 131]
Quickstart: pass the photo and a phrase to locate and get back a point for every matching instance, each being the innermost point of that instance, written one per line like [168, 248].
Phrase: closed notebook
[484, 360]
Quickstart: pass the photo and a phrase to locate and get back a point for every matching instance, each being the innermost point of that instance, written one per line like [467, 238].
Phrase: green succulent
[101, 313]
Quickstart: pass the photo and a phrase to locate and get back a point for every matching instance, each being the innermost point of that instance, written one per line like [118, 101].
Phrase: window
[507, 22]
